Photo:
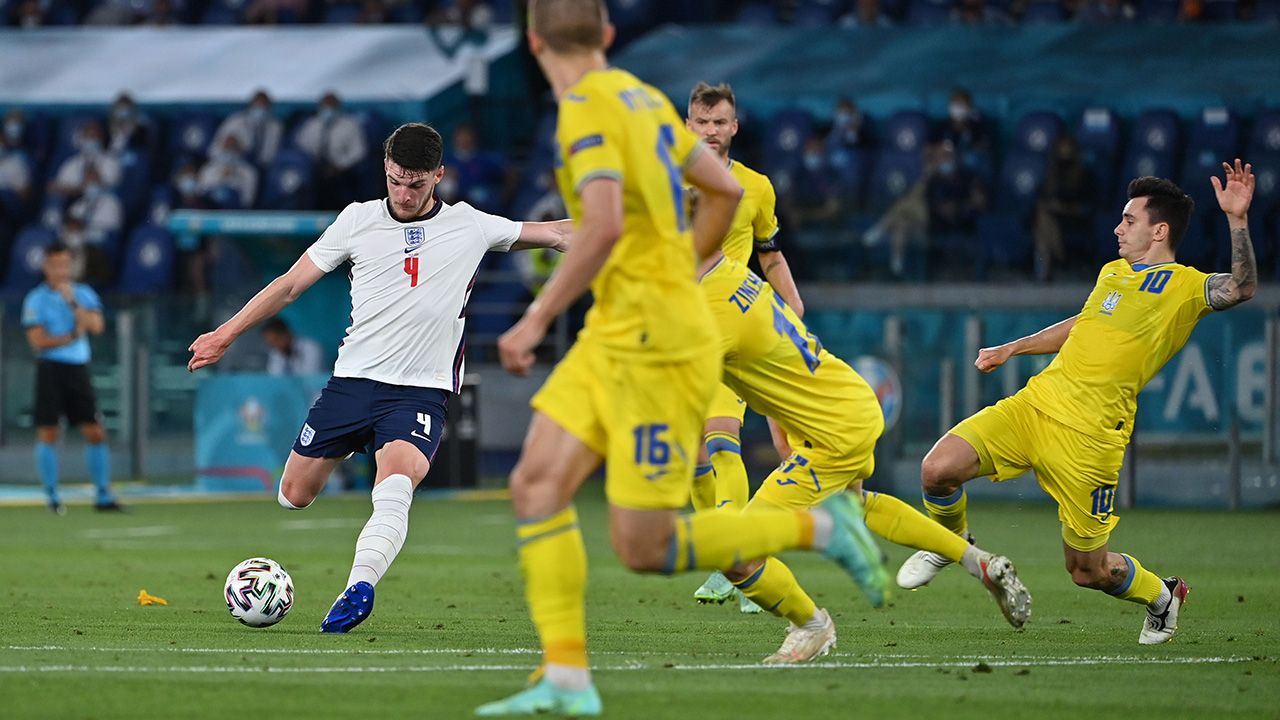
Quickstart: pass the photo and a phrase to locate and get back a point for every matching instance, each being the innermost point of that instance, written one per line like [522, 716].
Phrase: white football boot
[803, 645]
[922, 567]
[1011, 595]
[1159, 628]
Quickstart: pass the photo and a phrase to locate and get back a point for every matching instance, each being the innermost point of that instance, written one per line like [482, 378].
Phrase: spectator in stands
[905, 225]
[815, 193]
[15, 173]
[15, 128]
[256, 130]
[228, 180]
[966, 130]
[1105, 12]
[479, 175]
[90, 262]
[336, 142]
[954, 196]
[848, 128]
[97, 208]
[127, 129]
[373, 12]
[91, 151]
[274, 12]
[186, 187]
[866, 13]
[1062, 208]
[28, 14]
[290, 354]
[162, 13]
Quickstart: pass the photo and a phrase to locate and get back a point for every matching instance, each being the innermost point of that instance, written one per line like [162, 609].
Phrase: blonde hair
[569, 25]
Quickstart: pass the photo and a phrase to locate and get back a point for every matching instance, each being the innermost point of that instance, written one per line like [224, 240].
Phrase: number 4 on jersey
[411, 269]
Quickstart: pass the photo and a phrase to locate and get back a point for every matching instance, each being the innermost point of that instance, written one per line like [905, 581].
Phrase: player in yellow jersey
[713, 116]
[831, 419]
[1071, 422]
[635, 386]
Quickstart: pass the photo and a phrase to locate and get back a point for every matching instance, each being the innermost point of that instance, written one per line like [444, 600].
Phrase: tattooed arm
[1226, 290]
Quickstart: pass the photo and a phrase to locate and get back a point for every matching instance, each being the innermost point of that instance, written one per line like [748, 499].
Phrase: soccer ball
[259, 592]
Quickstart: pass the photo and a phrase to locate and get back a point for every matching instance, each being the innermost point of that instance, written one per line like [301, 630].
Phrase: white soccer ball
[259, 592]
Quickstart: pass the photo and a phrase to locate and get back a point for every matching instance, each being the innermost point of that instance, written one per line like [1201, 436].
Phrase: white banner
[293, 64]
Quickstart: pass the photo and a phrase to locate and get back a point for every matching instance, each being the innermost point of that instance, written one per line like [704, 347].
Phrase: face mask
[844, 118]
[812, 161]
[187, 184]
[91, 146]
[257, 113]
[947, 167]
[958, 111]
[13, 130]
[92, 190]
[122, 114]
[326, 113]
[221, 155]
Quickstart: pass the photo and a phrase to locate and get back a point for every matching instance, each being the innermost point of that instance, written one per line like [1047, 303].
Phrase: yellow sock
[901, 524]
[704, 487]
[732, 487]
[554, 562]
[1142, 586]
[774, 588]
[720, 539]
[949, 511]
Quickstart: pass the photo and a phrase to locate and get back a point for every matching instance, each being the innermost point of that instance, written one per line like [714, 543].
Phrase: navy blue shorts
[359, 415]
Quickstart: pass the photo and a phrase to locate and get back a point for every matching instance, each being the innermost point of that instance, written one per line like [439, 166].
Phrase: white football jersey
[410, 282]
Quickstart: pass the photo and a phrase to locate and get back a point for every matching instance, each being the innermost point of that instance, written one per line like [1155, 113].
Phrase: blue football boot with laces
[350, 609]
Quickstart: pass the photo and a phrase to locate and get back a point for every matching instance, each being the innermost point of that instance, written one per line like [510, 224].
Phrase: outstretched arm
[209, 347]
[554, 235]
[1048, 340]
[1228, 290]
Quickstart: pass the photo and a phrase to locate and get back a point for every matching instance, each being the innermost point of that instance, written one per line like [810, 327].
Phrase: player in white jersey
[413, 263]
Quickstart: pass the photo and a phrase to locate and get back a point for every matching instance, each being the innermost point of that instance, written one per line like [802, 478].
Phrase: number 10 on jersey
[411, 269]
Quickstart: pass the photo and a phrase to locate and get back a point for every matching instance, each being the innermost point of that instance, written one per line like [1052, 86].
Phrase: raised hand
[1234, 197]
[992, 357]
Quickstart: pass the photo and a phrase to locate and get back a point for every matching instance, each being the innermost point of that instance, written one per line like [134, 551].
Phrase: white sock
[284, 501]
[1161, 603]
[972, 560]
[568, 677]
[383, 536]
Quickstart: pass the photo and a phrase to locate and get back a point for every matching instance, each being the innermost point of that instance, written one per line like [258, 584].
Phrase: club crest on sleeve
[413, 238]
[1110, 302]
[308, 434]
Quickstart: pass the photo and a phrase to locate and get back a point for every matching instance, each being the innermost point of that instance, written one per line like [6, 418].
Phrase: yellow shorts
[644, 418]
[1078, 471]
[726, 403]
[803, 481]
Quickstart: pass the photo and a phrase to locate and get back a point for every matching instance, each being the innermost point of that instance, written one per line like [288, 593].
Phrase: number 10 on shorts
[1104, 499]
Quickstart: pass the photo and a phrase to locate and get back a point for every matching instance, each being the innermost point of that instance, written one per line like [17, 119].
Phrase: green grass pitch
[450, 629]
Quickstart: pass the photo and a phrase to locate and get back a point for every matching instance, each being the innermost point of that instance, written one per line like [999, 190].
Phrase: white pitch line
[322, 524]
[628, 667]
[144, 531]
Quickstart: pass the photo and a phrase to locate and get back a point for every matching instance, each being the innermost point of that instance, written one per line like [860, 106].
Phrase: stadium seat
[135, 181]
[25, 260]
[1266, 11]
[756, 13]
[816, 13]
[1214, 138]
[906, 131]
[892, 175]
[191, 133]
[225, 12]
[342, 14]
[1198, 248]
[148, 264]
[64, 146]
[1265, 136]
[1037, 131]
[851, 170]
[289, 183]
[1019, 183]
[785, 137]
[1153, 145]
[1006, 240]
[1044, 11]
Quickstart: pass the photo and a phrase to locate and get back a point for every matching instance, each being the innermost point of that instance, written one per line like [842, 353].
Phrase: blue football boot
[350, 609]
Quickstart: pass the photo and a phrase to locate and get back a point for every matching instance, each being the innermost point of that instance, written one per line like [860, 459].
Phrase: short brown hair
[416, 147]
[569, 25]
[1166, 203]
[709, 96]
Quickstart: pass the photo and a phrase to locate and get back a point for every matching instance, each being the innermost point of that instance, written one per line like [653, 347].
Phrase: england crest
[308, 434]
[413, 238]
[1110, 302]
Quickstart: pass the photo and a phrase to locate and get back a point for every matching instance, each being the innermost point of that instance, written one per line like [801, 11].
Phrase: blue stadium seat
[135, 182]
[850, 167]
[630, 15]
[1006, 240]
[1265, 137]
[929, 12]
[1044, 11]
[190, 134]
[25, 260]
[342, 14]
[289, 183]
[1037, 131]
[148, 262]
[905, 131]
[891, 176]
[225, 12]
[756, 13]
[1019, 183]
[1214, 138]
[1153, 145]
[1266, 11]
[1198, 248]
[1266, 193]
[816, 13]
[785, 138]
[1098, 135]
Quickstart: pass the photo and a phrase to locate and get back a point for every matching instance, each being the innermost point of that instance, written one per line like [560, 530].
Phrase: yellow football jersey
[613, 125]
[772, 361]
[755, 222]
[1135, 320]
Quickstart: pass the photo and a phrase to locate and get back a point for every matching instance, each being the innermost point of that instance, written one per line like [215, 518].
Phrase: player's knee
[642, 554]
[937, 475]
[292, 497]
[740, 572]
[1088, 575]
[94, 434]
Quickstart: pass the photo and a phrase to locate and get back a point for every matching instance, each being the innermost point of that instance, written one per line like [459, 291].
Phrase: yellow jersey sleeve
[765, 223]
[589, 146]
